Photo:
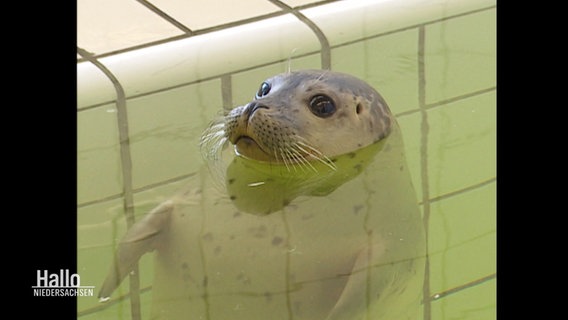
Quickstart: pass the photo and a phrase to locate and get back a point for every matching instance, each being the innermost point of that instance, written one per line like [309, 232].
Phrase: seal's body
[316, 221]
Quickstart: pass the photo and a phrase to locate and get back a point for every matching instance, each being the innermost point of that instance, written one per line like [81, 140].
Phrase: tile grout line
[227, 92]
[463, 190]
[424, 128]
[138, 190]
[150, 6]
[126, 163]
[324, 42]
[462, 287]
[445, 102]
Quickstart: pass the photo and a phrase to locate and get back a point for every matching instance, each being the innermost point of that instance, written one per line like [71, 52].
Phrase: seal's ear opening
[358, 108]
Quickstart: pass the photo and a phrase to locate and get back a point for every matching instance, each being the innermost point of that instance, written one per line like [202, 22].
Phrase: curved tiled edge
[213, 54]
[93, 86]
[196, 58]
[363, 19]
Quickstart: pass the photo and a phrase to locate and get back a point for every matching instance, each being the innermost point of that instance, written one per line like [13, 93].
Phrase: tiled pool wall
[433, 61]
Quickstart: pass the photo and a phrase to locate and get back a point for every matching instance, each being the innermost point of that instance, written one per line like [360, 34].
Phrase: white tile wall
[169, 72]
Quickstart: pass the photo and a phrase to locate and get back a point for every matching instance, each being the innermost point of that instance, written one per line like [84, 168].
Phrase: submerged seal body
[318, 218]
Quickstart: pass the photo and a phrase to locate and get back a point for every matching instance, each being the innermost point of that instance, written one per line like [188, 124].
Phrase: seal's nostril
[252, 107]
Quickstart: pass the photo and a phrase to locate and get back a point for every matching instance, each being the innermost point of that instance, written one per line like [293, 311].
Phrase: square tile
[110, 25]
[462, 238]
[460, 56]
[201, 14]
[165, 129]
[388, 63]
[476, 303]
[410, 126]
[462, 144]
[98, 154]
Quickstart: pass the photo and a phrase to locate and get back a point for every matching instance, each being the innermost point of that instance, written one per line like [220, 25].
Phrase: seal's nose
[251, 108]
[237, 121]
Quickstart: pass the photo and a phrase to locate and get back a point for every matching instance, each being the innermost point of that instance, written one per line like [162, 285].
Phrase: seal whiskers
[285, 158]
[316, 154]
[297, 153]
[293, 152]
[213, 140]
[296, 159]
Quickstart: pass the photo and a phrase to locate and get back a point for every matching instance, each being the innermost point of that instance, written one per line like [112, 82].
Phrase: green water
[439, 79]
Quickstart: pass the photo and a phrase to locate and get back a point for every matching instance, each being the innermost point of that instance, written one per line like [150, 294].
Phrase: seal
[317, 217]
[302, 116]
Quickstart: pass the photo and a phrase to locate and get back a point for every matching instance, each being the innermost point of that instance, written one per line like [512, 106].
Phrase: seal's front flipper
[142, 237]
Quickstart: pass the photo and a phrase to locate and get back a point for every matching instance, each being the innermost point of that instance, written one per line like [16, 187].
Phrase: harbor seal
[303, 116]
[317, 217]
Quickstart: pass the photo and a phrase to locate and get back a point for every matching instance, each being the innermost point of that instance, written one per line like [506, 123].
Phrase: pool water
[438, 78]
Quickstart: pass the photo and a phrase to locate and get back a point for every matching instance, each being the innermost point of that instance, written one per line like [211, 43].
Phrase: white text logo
[62, 284]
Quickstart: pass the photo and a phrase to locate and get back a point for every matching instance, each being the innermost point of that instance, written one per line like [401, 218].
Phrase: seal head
[307, 115]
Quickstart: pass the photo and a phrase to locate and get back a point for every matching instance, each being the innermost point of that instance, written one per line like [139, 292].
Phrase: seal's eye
[322, 106]
[263, 90]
